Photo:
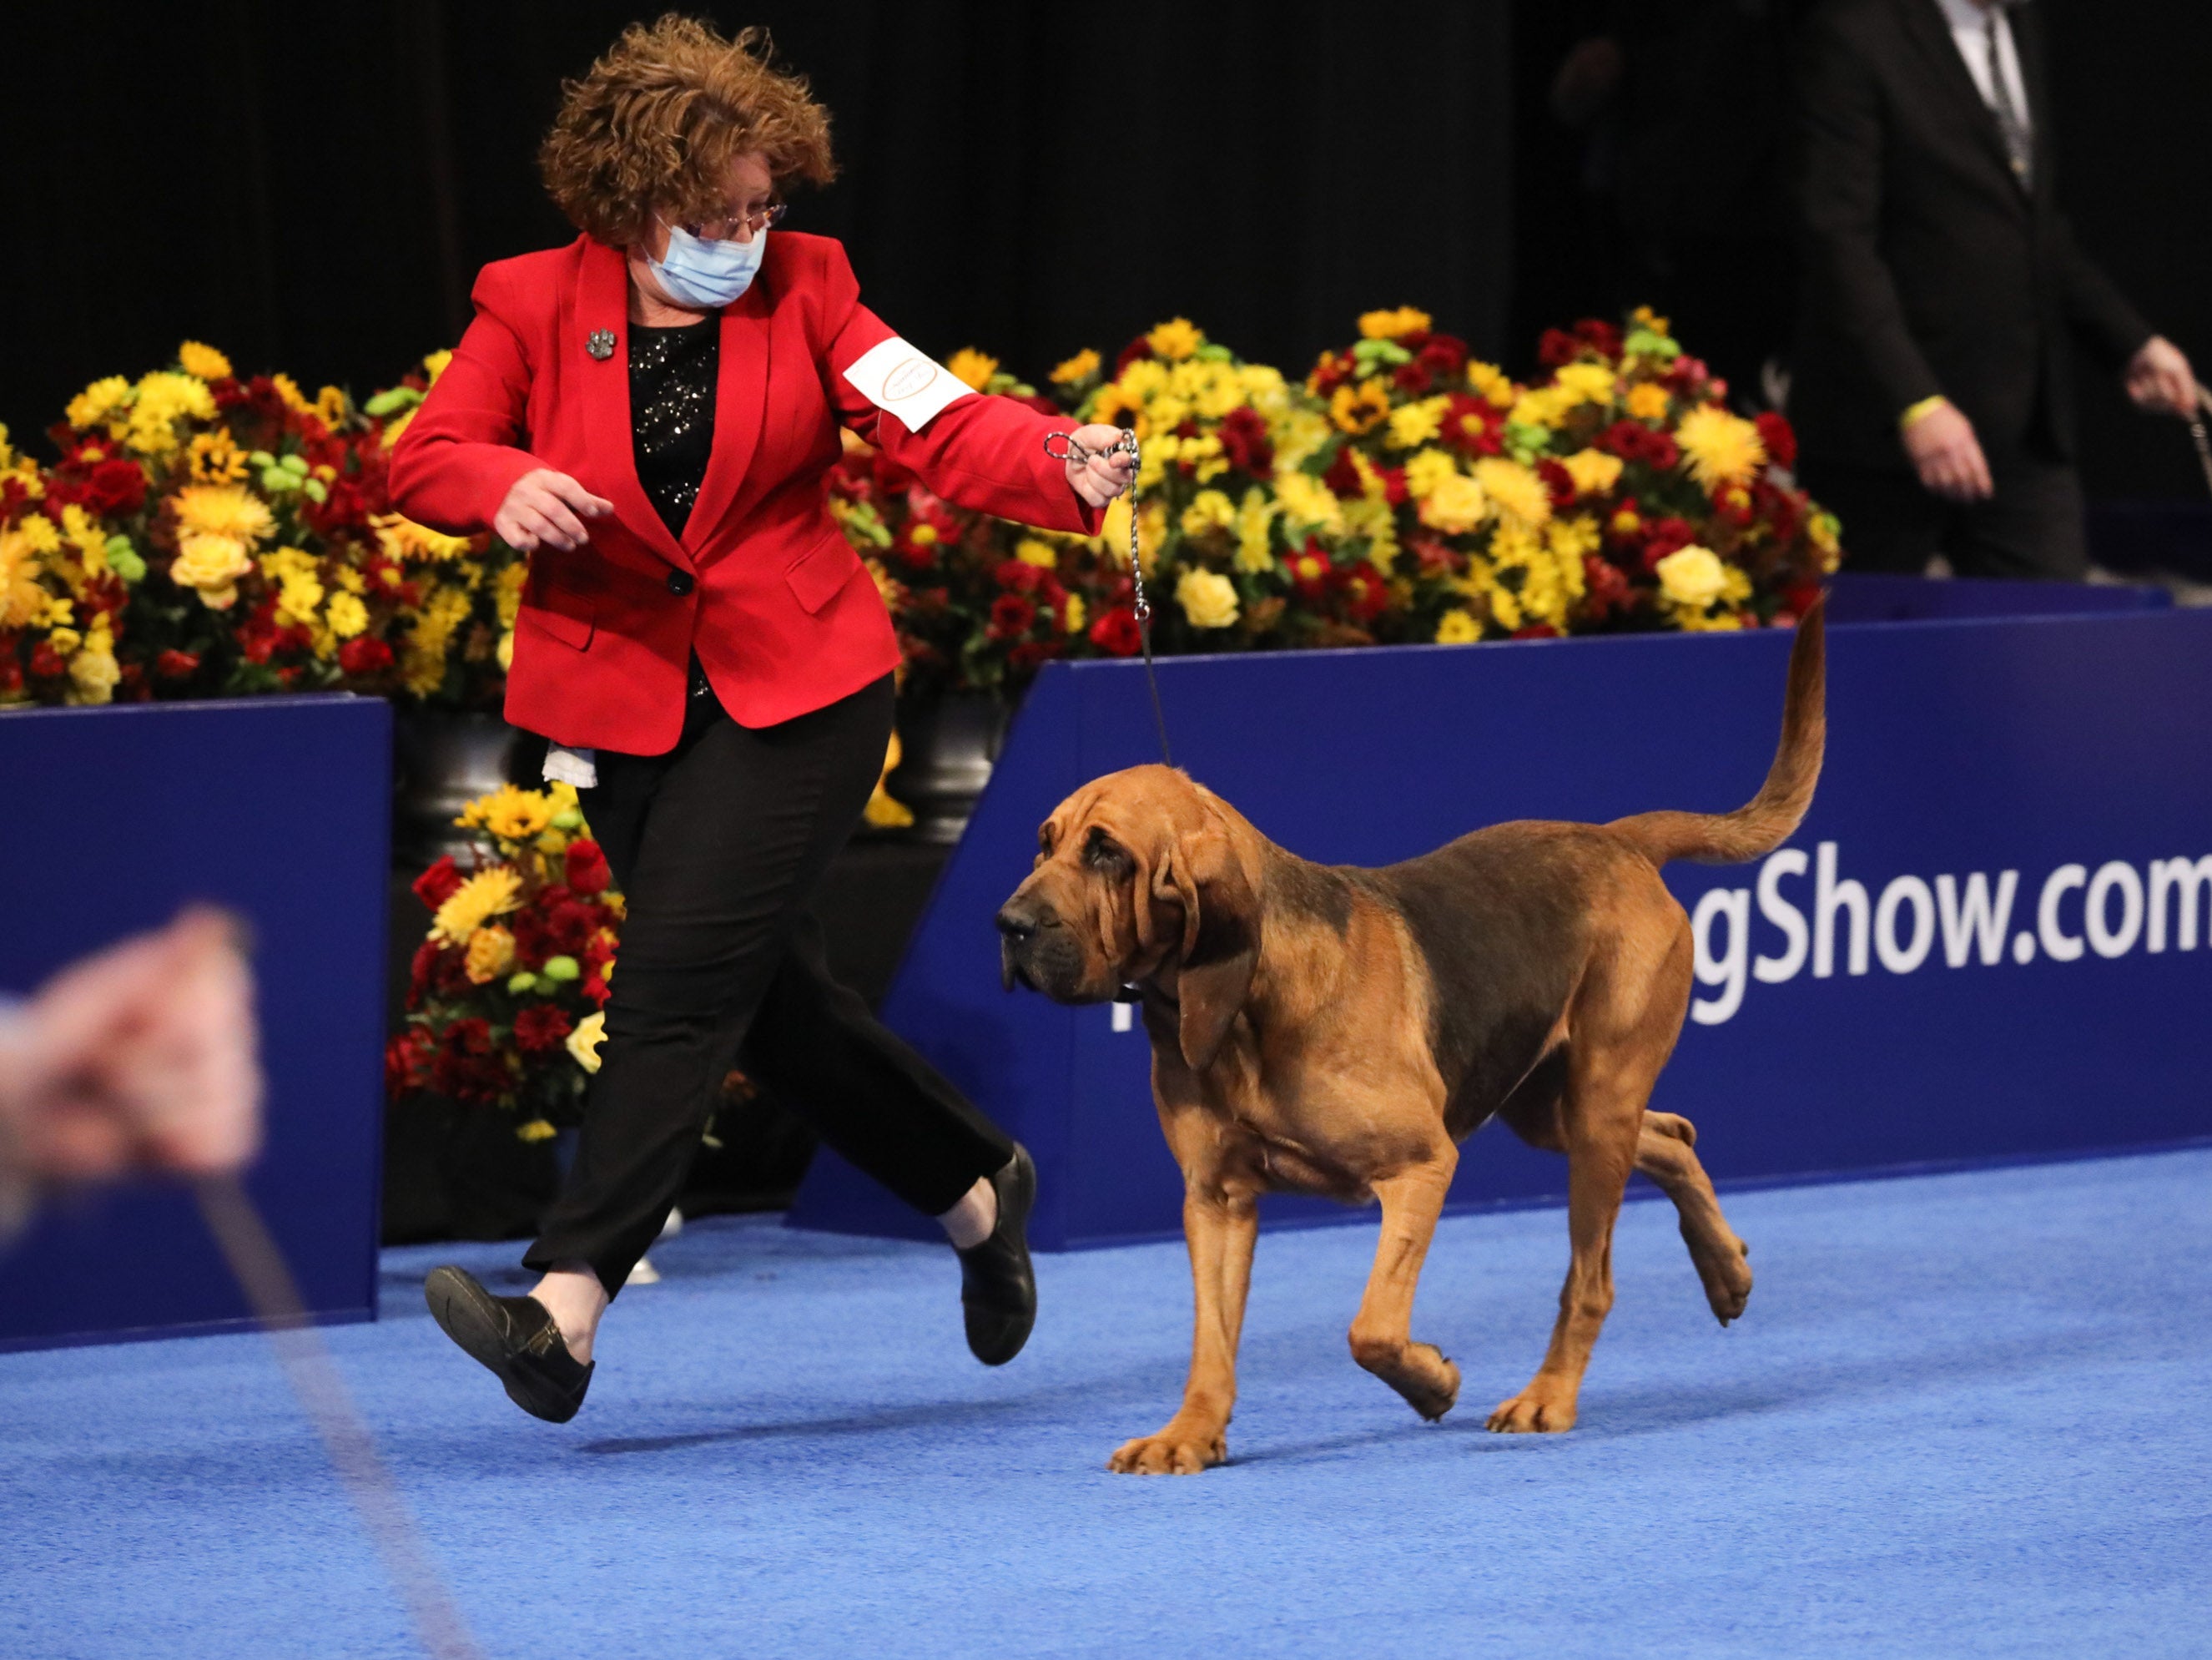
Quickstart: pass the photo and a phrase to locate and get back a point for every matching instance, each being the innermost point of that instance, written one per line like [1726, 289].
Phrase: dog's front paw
[1726, 1274]
[1419, 1371]
[1177, 1449]
[1533, 1412]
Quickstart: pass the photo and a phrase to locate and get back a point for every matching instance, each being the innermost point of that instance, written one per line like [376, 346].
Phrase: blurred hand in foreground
[2158, 379]
[142, 1058]
[1948, 456]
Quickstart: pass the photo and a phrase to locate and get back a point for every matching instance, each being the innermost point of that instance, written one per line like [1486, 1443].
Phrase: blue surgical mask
[707, 276]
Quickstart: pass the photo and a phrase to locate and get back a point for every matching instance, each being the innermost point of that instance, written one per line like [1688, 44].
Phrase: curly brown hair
[653, 127]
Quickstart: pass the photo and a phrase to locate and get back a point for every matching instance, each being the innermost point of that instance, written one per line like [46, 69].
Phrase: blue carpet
[1965, 1414]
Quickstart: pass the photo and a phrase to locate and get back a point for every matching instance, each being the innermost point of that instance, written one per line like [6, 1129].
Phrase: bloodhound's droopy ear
[1200, 872]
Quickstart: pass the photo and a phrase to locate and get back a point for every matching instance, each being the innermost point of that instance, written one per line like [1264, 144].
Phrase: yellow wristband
[1925, 406]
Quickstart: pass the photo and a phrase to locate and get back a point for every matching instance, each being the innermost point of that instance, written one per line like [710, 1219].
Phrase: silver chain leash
[1069, 450]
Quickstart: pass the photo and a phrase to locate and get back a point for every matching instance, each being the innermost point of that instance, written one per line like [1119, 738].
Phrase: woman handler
[648, 413]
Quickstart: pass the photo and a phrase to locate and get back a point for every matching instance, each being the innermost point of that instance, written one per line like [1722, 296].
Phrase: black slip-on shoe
[515, 1338]
[998, 1289]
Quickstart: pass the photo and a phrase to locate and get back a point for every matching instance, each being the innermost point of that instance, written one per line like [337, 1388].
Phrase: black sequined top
[672, 402]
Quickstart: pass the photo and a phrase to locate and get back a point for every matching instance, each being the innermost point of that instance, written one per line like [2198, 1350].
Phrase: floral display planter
[950, 744]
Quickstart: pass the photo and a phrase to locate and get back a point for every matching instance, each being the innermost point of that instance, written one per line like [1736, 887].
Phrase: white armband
[579, 768]
[901, 381]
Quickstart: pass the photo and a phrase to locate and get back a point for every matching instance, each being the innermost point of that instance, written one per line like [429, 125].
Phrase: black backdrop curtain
[312, 188]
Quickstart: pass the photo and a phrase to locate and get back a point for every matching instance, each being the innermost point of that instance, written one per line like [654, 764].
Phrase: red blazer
[762, 585]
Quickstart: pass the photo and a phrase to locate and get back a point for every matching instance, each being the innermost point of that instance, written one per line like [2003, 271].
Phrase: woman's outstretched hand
[1102, 478]
[549, 507]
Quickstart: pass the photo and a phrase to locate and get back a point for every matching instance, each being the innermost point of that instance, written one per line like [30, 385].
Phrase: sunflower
[1722, 449]
[1361, 409]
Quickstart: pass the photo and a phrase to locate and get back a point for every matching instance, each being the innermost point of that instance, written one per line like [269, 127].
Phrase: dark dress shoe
[997, 1290]
[515, 1337]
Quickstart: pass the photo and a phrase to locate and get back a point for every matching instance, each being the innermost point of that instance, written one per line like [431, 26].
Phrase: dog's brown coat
[1337, 1030]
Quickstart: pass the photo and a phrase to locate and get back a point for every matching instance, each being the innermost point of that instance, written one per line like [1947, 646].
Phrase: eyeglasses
[728, 227]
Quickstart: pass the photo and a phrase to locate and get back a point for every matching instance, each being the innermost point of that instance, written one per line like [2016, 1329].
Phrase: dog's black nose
[1016, 924]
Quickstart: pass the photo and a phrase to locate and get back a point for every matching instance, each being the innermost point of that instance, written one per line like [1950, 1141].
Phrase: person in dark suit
[1931, 385]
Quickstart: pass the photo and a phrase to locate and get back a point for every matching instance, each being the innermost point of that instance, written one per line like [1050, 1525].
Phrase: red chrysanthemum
[541, 1027]
[587, 867]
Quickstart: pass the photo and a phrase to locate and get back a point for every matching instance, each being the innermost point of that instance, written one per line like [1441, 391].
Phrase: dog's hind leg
[1666, 1153]
[1382, 1333]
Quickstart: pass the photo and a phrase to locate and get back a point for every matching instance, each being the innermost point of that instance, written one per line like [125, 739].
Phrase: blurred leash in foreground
[259, 1267]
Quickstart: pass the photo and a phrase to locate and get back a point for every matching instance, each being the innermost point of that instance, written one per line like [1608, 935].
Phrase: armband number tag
[901, 381]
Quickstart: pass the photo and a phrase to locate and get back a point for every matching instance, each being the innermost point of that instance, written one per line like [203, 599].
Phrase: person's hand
[2158, 379]
[1102, 478]
[143, 1057]
[1948, 456]
[549, 507]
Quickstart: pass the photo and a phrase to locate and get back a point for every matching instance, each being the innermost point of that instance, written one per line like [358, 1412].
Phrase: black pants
[719, 847]
[2031, 527]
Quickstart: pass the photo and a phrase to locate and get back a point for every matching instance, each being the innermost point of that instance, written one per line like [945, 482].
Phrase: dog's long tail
[1765, 821]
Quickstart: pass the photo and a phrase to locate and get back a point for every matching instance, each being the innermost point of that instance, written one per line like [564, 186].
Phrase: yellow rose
[1457, 628]
[94, 673]
[491, 954]
[1207, 598]
[1594, 471]
[1691, 577]
[210, 562]
[584, 1042]
[1454, 505]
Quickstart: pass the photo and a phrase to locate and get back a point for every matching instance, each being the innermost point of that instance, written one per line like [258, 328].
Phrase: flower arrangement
[506, 995]
[205, 535]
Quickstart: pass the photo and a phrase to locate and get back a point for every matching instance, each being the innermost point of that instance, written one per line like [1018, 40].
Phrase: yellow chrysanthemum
[1594, 471]
[1453, 504]
[538, 1129]
[1256, 518]
[205, 362]
[1543, 406]
[230, 510]
[1073, 614]
[92, 406]
[433, 364]
[1691, 577]
[401, 537]
[1207, 598]
[973, 368]
[1413, 425]
[1590, 383]
[1491, 383]
[491, 954]
[1457, 627]
[487, 894]
[1209, 511]
[1427, 470]
[1032, 552]
[1299, 436]
[1081, 367]
[1175, 339]
[1721, 448]
[347, 615]
[1647, 401]
[1359, 409]
[507, 592]
[22, 598]
[1308, 504]
[583, 1044]
[163, 399]
[1513, 490]
[1391, 325]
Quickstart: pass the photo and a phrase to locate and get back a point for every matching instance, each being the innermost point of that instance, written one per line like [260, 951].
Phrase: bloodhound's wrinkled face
[1136, 872]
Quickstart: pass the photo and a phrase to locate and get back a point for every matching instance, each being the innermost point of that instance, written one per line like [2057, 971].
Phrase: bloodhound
[1335, 1030]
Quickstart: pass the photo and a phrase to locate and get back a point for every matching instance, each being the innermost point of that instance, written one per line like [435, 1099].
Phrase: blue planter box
[2074, 751]
[278, 808]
